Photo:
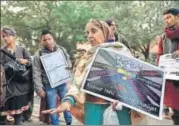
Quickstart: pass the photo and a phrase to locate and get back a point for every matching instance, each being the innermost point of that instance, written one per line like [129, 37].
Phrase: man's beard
[171, 27]
[51, 48]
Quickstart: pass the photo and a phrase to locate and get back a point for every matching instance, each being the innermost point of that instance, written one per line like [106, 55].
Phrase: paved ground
[36, 121]
[35, 116]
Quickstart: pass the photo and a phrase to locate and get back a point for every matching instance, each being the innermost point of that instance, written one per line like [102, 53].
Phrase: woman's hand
[64, 106]
[116, 105]
[23, 61]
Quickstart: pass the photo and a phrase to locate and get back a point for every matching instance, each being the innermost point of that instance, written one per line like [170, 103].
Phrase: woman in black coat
[17, 91]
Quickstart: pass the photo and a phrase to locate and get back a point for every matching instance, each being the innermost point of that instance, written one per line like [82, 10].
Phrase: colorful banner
[135, 83]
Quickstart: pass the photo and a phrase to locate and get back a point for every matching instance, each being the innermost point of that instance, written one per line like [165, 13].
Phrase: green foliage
[139, 21]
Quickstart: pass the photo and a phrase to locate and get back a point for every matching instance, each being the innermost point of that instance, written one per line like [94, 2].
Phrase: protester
[169, 43]
[41, 81]
[116, 36]
[17, 90]
[97, 32]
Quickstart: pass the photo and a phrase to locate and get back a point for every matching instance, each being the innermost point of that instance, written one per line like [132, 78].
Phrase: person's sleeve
[37, 73]
[67, 57]
[123, 40]
[160, 50]
[26, 55]
[70, 99]
[74, 95]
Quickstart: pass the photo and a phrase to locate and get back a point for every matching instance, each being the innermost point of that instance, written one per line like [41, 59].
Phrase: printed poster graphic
[137, 84]
[55, 65]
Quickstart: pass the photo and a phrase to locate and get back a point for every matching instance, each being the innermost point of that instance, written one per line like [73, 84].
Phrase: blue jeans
[52, 93]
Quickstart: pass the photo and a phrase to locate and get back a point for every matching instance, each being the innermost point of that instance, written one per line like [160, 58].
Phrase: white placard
[55, 65]
[170, 66]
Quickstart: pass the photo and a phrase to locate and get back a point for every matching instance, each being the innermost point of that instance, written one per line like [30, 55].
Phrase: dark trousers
[175, 117]
[27, 114]
[17, 119]
[2, 120]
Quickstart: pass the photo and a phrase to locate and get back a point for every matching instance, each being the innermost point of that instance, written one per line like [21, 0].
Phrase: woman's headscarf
[104, 27]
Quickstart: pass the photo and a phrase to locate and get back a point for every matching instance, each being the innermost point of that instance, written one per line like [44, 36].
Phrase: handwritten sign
[137, 84]
[55, 66]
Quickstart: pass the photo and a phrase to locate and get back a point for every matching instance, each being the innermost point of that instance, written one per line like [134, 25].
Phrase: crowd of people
[17, 96]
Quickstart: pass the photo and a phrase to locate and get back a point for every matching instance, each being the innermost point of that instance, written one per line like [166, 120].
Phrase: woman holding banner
[97, 32]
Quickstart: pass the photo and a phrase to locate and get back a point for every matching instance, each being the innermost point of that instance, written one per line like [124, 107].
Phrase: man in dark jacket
[41, 81]
[169, 43]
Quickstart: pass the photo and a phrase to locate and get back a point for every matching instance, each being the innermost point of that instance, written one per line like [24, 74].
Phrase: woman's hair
[103, 26]
[9, 31]
[109, 22]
